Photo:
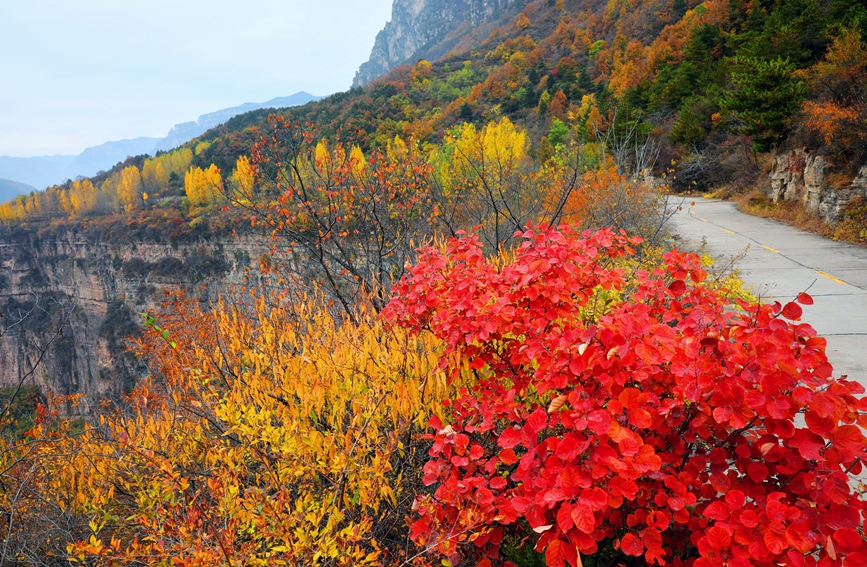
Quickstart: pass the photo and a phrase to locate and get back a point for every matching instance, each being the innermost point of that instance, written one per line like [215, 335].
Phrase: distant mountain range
[43, 171]
[11, 189]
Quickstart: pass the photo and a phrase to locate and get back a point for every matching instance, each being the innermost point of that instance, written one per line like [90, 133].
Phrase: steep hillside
[427, 29]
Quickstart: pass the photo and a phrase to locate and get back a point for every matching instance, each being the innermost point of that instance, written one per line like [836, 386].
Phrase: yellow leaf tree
[129, 188]
[268, 434]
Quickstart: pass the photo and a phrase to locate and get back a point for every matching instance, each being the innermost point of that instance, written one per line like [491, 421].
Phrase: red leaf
[537, 421]
[792, 311]
[630, 397]
[631, 545]
[718, 538]
[461, 443]
[848, 539]
[836, 487]
[717, 511]
[778, 408]
[824, 405]
[509, 438]
[810, 450]
[640, 419]
[758, 472]
[841, 517]
[749, 518]
[628, 447]
[484, 497]
[804, 299]
[420, 528]
[849, 437]
[677, 288]
[599, 421]
[720, 482]
[595, 498]
[583, 518]
[508, 456]
[559, 552]
[736, 499]
[818, 424]
[564, 517]
[551, 497]
[520, 504]
[776, 540]
[568, 448]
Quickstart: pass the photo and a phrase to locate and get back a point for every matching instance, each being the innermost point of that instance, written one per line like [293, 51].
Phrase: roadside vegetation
[470, 342]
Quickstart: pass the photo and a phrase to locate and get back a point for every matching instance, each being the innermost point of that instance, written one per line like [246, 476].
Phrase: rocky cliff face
[417, 25]
[800, 176]
[68, 299]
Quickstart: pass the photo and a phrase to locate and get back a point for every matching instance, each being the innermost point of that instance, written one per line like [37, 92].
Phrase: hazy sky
[77, 73]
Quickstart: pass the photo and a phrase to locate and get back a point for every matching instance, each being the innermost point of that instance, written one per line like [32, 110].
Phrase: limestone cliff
[798, 175]
[69, 297]
[418, 27]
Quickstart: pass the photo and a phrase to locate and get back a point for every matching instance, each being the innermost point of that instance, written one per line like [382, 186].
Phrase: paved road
[779, 261]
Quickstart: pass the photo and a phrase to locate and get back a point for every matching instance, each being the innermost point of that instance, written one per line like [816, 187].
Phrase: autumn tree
[82, 196]
[129, 188]
[243, 177]
[655, 419]
[838, 82]
[483, 178]
[350, 222]
[158, 172]
[203, 186]
[154, 175]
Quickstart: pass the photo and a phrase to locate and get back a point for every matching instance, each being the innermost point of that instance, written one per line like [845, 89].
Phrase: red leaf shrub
[665, 426]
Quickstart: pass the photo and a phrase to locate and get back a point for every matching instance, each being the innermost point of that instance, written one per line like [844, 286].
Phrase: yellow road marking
[830, 277]
[769, 249]
[727, 230]
[702, 220]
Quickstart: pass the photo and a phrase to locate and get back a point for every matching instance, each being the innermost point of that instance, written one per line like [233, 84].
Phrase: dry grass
[758, 204]
[853, 227]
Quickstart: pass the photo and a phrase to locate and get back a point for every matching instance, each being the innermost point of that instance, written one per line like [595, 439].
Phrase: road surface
[779, 261]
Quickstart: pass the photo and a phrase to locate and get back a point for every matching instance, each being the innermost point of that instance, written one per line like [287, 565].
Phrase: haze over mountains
[20, 175]
[10, 189]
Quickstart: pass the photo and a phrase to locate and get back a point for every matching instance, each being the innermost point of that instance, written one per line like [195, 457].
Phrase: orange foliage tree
[350, 223]
[838, 81]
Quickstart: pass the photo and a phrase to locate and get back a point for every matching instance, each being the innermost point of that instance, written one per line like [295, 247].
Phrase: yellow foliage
[322, 157]
[356, 161]
[422, 71]
[269, 435]
[203, 186]
[244, 177]
[129, 188]
[153, 173]
[82, 196]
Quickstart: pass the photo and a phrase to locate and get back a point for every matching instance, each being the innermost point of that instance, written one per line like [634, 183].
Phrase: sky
[78, 73]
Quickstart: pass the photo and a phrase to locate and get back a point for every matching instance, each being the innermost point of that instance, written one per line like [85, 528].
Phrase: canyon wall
[69, 297]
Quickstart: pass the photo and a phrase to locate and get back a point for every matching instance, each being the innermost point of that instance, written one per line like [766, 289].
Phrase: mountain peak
[418, 28]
